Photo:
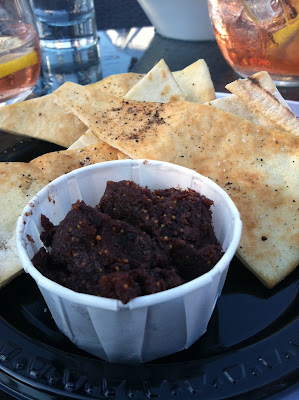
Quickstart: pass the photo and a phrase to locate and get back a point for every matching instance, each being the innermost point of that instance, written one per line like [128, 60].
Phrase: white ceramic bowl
[180, 19]
[147, 327]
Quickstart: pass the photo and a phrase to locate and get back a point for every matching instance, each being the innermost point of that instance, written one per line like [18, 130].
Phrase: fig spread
[134, 242]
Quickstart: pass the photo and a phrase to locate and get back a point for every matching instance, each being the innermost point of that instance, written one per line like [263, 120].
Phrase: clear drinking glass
[255, 35]
[19, 51]
[69, 41]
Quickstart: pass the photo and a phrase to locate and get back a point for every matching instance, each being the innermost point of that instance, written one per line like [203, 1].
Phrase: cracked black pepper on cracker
[135, 242]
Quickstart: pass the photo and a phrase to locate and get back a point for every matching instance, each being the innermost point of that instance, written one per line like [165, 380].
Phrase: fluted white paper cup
[147, 327]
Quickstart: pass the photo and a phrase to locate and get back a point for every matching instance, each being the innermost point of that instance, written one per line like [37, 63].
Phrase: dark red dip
[135, 242]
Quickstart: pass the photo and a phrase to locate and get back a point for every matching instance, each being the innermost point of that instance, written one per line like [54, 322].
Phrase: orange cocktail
[259, 35]
[19, 60]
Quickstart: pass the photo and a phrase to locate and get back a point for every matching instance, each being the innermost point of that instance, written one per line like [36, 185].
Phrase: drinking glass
[69, 41]
[255, 35]
[19, 51]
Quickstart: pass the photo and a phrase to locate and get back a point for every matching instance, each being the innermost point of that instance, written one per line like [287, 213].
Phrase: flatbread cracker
[87, 139]
[194, 79]
[116, 85]
[41, 118]
[157, 85]
[20, 181]
[265, 103]
[196, 83]
[242, 107]
[255, 165]
[237, 106]
[266, 82]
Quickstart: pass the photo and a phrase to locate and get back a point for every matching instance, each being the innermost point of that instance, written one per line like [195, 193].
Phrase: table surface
[137, 49]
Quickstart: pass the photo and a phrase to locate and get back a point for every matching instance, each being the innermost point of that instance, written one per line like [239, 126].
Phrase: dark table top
[138, 49]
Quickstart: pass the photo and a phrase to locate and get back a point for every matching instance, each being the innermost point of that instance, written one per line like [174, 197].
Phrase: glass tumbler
[20, 57]
[69, 42]
[256, 35]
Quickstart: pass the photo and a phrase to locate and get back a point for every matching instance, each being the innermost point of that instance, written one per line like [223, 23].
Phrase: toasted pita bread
[116, 85]
[21, 181]
[265, 103]
[196, 83]
[157, 85]
[242, 108]
[266, 82]
[87, 139]
[255, 165]
[237, 106]
[41, 118]
[194, 79]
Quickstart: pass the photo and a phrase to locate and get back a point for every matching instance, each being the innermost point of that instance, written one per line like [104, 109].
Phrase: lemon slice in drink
[283, 36]
[263, 13]
[14, 62]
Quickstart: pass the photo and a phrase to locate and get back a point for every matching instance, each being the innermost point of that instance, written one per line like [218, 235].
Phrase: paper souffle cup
[147, 327]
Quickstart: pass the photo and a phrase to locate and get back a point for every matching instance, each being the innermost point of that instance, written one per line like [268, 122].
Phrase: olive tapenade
[133, 243]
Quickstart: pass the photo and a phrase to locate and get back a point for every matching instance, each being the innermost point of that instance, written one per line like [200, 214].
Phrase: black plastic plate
[250, 349]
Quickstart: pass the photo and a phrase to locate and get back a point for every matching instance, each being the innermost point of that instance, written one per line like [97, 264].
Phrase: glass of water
[69, 41]
[19, 51]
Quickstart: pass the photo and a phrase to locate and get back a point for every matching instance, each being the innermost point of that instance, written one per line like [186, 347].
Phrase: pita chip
[86, 139]
[254, 164]
[237, 106]
[265, 81]
[195, 82]
[21, 181]
[117, 85]
[41, 118]
[158, 85]
[89, 138]
[265, 103]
